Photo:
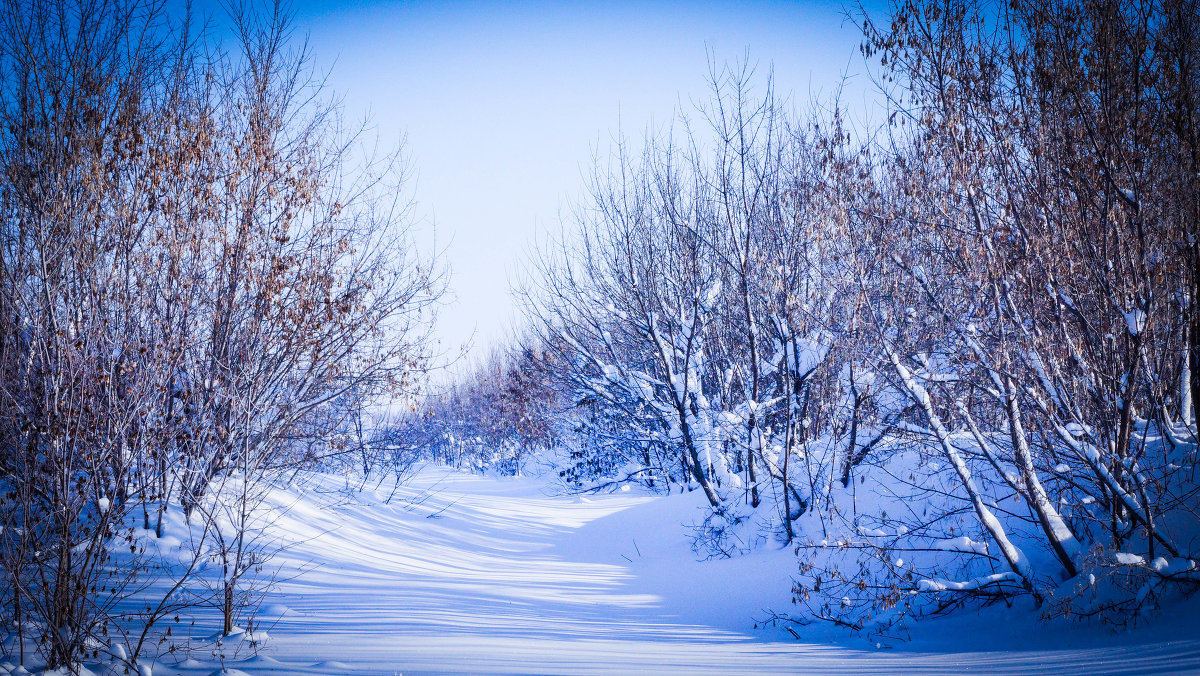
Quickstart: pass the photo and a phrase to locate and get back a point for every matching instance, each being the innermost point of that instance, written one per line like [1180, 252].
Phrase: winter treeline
[953, 355]
[200, 277]
[498, 414]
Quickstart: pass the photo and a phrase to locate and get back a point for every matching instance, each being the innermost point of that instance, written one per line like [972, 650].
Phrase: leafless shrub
[196, 260]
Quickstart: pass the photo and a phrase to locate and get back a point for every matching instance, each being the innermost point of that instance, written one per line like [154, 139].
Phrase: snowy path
[493, 576]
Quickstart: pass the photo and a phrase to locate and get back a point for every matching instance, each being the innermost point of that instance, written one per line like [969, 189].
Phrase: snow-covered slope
[469, 574]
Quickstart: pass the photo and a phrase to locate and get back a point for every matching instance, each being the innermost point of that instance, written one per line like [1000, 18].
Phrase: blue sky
[503, 106]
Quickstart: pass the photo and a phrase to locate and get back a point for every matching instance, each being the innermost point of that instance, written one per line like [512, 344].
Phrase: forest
[948, 360]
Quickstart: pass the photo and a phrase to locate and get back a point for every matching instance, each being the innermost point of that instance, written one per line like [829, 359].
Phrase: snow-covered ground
[468, 574]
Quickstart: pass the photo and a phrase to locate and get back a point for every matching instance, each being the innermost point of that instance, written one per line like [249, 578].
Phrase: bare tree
[196, 261]
[1032, 315]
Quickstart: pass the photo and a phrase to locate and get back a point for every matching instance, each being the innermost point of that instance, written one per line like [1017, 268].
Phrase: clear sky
[503, 106]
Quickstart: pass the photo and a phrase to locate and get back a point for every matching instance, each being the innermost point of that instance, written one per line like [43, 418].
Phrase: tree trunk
[694, 456]
[1017, 562]
[228, 608]
[1061, 537]
[1194, 341]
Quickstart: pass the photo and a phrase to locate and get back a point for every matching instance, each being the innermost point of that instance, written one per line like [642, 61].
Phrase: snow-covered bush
[1036, 314]
[195, 268]
[960, 354]
[701, 309]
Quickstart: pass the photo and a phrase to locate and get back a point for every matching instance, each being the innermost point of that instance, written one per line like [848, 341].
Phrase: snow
[976, 583]
[511, 579]
[1135, 321]
[871, 532]
[462, 573]
[961, 544]
[1127, 559]
[1175, 566]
